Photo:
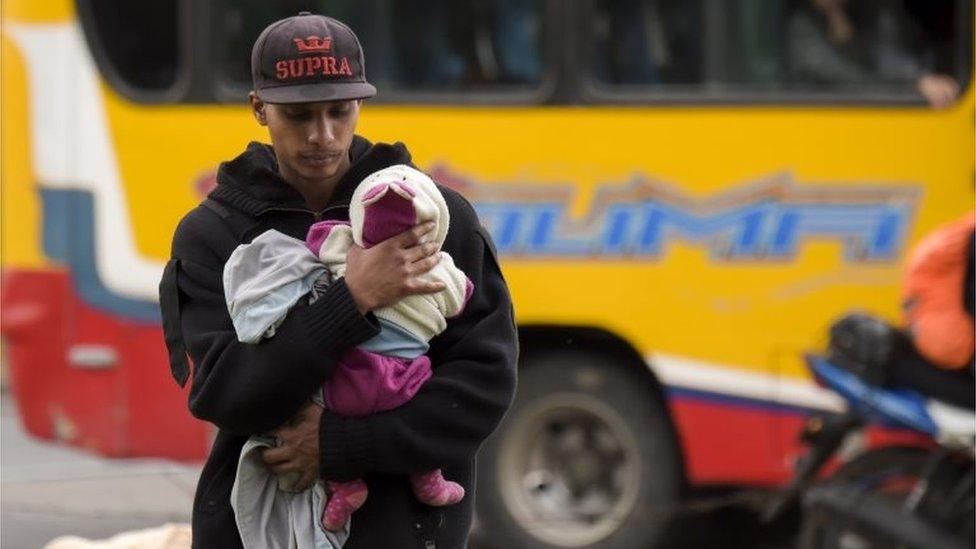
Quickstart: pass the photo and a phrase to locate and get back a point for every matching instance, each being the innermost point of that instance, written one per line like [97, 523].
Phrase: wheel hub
[570, 474]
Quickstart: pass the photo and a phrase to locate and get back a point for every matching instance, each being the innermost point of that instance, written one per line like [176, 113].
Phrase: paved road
[48, 490]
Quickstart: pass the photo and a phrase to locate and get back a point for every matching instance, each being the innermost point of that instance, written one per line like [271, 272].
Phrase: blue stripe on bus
[69, 237]
[684, 393]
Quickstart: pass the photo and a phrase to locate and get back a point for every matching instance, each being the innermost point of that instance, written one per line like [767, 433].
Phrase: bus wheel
[586, 457]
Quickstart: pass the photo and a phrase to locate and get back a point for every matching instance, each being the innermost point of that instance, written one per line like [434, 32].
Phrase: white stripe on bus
[737, 381]
[71, 147]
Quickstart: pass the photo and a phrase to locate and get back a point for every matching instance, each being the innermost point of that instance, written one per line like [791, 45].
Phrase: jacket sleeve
[250, 388]
[473, 382]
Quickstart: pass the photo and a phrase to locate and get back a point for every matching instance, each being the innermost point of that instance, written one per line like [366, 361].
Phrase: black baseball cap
[308, 58]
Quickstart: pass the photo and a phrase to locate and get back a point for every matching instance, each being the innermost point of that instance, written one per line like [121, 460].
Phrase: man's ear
[258, 108]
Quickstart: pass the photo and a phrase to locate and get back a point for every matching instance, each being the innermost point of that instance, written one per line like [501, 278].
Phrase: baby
[262, 280]
[388, 370]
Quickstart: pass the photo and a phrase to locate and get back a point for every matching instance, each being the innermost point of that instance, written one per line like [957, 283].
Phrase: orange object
[932, 298]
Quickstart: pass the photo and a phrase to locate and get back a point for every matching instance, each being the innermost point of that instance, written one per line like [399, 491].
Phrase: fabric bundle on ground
[168, 536]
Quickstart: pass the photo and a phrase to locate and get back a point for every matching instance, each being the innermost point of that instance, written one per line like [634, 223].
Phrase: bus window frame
[594, 92]
[965, 46]
[226, 91]
[177, 92]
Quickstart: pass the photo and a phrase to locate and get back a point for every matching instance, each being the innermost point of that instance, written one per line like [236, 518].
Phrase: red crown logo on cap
[314, 44]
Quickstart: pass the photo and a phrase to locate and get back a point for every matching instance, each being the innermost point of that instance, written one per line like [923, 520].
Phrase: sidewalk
[49, 490]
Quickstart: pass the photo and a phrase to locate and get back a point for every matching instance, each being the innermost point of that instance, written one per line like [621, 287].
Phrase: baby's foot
[433, 489]
[345, 499]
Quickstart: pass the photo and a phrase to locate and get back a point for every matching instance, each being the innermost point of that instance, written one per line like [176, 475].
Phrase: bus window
[647, 42]
[781, 50]
[412, 46]
[135, 42]
[902, 46]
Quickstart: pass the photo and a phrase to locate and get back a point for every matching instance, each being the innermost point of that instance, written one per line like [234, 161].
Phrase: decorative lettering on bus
[766, 220]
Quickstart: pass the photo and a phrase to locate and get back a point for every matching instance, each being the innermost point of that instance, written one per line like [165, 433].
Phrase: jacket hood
[251, 182]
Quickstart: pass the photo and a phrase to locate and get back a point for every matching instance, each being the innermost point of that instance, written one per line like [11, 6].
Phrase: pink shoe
[433, 489]
[345, 499]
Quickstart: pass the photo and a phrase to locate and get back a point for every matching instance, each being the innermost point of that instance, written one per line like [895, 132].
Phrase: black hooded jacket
[246, 389]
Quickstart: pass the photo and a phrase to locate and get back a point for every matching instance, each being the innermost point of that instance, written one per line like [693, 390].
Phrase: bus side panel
[87, 365]
[103, 384]
[32, 312]
[730, 443]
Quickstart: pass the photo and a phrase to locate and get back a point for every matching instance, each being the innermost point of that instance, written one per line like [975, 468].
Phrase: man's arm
[473, 384]
[252, 388]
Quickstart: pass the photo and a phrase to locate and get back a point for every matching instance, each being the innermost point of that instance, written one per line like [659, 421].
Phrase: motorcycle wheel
[893, 472]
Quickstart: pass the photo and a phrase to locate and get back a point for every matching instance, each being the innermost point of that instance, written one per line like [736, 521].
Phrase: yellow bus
[683, 193]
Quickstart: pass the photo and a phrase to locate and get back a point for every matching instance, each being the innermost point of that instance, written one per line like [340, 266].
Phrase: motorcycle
[918, 495]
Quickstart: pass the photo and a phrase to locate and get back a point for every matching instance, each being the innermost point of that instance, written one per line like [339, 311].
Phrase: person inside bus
[309, 82]
[444, 45]
[516, 33]
[864, 43]
[626, 53]
[427, 44]
[646, 42]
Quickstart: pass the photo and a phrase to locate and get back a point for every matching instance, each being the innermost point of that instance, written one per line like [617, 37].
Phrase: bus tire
[586, 457]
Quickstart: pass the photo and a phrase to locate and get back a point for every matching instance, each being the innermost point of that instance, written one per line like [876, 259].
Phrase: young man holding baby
[308, 175]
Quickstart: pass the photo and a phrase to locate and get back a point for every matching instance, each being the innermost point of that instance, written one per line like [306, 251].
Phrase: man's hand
[298, 447]
[382, 275]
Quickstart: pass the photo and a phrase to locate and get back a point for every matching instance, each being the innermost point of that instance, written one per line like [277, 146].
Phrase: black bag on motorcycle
[866, 346]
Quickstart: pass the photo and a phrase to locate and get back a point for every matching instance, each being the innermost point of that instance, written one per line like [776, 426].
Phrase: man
[309, 82]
